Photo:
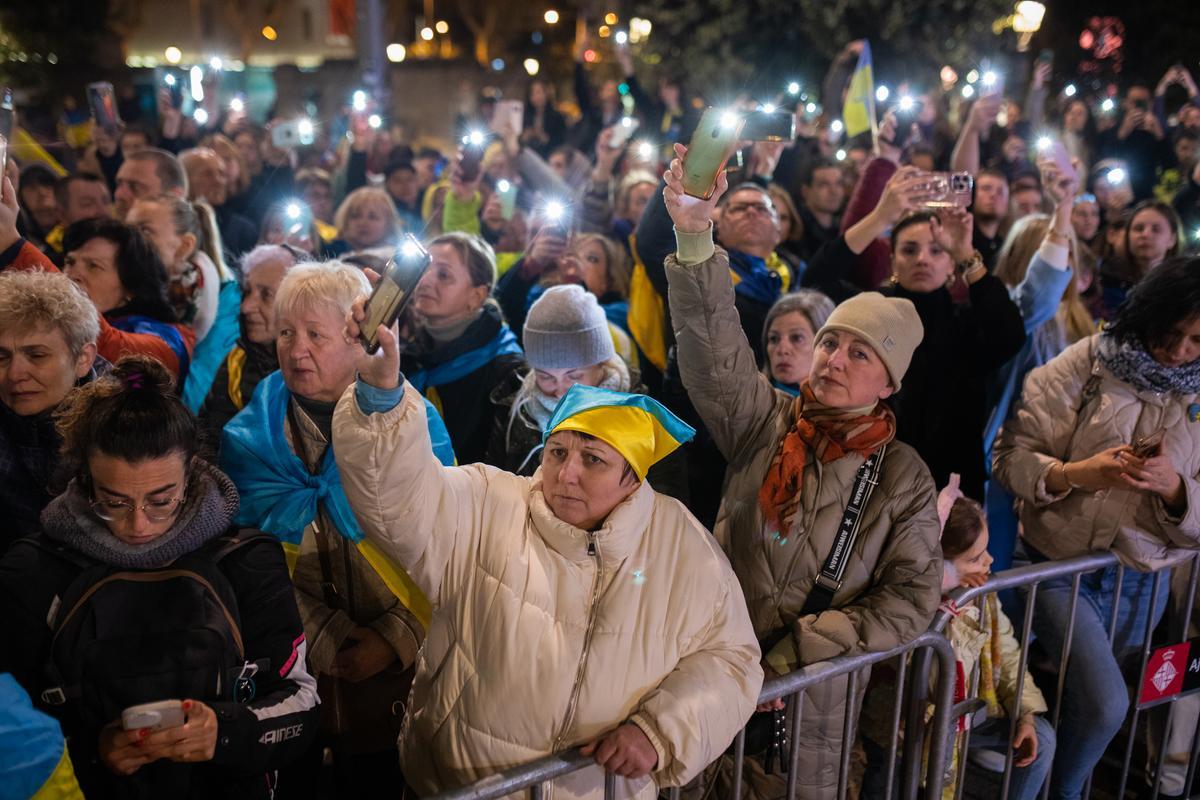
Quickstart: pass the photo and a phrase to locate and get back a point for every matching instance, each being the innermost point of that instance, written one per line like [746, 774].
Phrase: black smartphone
[1150, 445]
[1046, 56]
[470, 161]
[777, 125]
[391, 296]
[8, 121]
[906, 112]
[102, 101]
[8, 113]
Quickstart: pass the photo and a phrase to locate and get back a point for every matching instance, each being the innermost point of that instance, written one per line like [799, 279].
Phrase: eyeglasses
[736, 209]
[155, 510]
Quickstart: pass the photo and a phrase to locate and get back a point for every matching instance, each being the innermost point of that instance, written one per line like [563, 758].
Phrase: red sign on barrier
[1165, 672]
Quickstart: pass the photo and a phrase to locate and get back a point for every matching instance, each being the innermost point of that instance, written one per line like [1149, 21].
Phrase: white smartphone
[623, 131]
[155, 716]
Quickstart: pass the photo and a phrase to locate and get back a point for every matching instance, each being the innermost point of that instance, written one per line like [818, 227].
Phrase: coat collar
[615, 540]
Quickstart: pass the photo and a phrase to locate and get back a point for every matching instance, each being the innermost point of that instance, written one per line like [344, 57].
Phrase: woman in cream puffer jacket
[1069, 456]
[545, 636]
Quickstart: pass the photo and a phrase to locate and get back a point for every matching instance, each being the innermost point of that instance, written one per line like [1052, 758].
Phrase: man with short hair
[1026, 200]
[148, 173]
[37, 201]
[822, 194]
[990, 210]
[83, 195]
[208, 181]
[135, 139]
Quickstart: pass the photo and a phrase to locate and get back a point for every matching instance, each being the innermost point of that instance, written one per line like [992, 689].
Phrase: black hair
[912, 219]
[139, 268]
[131, 413]
[963, 527]
[397, 165]
[823, 162]
[170, 172]
[1167, 296]
[62, 189]
[137, 129]
[37, 175]
[746, 186]
[1182, 133]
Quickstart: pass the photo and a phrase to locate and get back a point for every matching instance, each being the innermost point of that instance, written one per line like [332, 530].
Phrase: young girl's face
[972, 567]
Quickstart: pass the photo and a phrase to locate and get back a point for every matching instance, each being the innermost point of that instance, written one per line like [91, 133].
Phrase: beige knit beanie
[889, 324]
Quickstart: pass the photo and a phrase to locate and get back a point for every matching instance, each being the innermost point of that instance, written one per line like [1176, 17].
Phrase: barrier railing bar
[894, 745]
[610, 785]
[739, 760]
[1192, 762]
[535, 792]
[1022, 671]
[1138, 686]
[797, 712]
[1064, 659]
[1162, 754]
[848, 733]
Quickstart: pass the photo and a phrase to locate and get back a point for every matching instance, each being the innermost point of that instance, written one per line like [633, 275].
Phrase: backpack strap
[243, 538]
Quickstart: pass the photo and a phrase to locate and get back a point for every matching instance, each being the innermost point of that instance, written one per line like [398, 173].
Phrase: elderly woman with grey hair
[789, 336]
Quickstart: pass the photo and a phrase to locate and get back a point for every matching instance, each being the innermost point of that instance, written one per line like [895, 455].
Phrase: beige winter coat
[892, 582]
[536, 643]
[1054, 423]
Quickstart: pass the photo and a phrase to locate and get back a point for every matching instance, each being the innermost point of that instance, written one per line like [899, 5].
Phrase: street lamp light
[532, 66]
[396, 52]
[551, 17]
[173, 55]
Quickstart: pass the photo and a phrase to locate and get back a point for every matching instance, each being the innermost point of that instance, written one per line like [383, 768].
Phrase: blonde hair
[625, 188]
[200, 220]
[32, 300]
[1020, 246]
[328, 284]
[227, 150]
[476, 253]
[618, 267]
[369, 196]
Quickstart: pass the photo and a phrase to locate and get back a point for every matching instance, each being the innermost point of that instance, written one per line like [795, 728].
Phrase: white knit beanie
[566, 329]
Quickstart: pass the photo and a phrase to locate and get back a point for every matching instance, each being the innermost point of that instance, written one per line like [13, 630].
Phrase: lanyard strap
[829, 579]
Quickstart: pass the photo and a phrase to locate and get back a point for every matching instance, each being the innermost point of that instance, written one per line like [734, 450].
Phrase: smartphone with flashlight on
[470, 162]
[392, 293]
[714, 141]
[774, 125]
[102, 101]
[906, 112]
[293, 134]
[507, 192]
[623, 131]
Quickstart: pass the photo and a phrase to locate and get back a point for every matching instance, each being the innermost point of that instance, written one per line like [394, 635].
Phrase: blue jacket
[1038, 298]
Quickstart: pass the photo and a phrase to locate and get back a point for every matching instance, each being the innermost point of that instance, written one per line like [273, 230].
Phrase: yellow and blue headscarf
[638, 427]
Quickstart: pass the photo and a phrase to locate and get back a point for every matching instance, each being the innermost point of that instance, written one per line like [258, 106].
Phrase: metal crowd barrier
[913, 694]
[790, 687]
[1030, 578]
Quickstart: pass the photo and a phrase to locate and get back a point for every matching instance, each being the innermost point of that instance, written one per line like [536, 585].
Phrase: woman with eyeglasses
[139, 589]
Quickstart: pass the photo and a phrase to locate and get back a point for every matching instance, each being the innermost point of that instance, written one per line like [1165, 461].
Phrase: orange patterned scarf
[829, 434]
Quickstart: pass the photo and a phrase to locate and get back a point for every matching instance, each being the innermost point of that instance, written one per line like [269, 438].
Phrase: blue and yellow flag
[858, 112]
[638, 427]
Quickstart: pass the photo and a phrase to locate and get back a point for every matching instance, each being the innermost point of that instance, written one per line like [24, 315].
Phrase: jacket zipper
[593, 550]
[351, 606]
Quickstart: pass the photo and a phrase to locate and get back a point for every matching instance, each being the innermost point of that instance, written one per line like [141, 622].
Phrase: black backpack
[122, 637]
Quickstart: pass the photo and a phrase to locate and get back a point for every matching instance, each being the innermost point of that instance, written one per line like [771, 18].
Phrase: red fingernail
[143, 733]
[187, 705]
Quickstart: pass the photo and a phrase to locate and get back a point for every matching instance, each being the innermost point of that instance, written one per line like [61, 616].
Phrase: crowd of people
[627, 453]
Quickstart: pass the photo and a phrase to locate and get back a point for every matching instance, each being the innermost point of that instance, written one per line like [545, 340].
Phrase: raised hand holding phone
[381, 368]
[690, 214]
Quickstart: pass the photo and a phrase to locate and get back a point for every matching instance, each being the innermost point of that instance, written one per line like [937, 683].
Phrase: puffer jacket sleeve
[423, 515]
[1037, 435]
[1183, 530]
[716, 362]
[1032, 701]
[694, 713]
[905, 588]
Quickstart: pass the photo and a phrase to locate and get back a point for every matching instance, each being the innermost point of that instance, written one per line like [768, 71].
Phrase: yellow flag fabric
[61, 785]
[402, 586]
[647, 313]
[25, 149]
[858, 112]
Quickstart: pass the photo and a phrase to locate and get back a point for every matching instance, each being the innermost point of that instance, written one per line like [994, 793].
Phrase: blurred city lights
[269, 33]
[442, 27]
[396, 52]
[173, 54]
[551, 17]
[532, 66]
[427, 33]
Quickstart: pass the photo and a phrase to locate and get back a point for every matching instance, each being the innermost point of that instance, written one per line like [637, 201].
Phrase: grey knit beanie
[566, 329]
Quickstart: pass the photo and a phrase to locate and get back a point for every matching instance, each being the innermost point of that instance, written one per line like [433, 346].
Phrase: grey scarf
[207, 513]
[1139, 369]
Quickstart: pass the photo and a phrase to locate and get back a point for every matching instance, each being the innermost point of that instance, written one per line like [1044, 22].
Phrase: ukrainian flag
[858, 112]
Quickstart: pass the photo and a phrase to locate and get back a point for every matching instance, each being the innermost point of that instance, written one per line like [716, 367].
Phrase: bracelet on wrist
[1067, 477]
[971, 262]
